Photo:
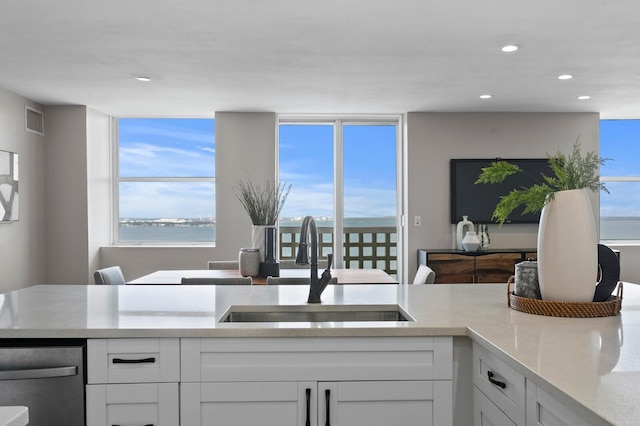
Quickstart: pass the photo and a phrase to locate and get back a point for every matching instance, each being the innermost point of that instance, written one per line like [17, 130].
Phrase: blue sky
[620, 141]
[163, 147]
[306, 161]
[186, 148]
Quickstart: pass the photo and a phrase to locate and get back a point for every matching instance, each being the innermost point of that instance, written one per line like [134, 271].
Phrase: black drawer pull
[134, 361]
[327, 398]
[494, 381]
[308, 422]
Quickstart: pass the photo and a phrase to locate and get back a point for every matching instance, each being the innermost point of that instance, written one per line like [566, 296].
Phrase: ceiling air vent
[34, 121]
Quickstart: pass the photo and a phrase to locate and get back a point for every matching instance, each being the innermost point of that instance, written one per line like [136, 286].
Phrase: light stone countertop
[591, 365]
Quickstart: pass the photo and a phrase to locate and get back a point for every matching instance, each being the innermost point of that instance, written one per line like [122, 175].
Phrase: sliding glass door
[344, 174]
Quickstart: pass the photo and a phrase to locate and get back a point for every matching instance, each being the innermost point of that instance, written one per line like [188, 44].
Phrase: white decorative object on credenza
[464, 226]
[471, 242]
[568, 248]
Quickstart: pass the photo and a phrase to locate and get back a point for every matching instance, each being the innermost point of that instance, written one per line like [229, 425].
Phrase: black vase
[270, 267]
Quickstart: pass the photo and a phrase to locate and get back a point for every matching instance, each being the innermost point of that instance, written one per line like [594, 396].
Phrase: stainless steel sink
[314, 313]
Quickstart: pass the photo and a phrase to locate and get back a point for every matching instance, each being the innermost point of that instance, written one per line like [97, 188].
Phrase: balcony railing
[364, 248]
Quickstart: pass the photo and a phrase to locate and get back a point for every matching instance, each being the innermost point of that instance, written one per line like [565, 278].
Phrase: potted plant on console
[567, 239]
[263, 203]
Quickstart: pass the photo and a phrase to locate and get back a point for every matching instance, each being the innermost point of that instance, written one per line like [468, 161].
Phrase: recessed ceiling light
[486, 96]
[584, 97]
[509, 48]
[565, 77]
[143, 78]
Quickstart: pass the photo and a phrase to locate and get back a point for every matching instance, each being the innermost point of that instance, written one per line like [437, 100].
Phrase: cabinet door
[496, 268]
[451, 268]
[545, 410]
[384, 403]
[248, 403]
[486, 413]
[133, 404]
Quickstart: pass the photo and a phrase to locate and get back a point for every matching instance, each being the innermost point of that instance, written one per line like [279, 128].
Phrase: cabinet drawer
[508, 389]
[296, 359]
[133, 404]
[486, 413]
[133, 360]
[452, 268]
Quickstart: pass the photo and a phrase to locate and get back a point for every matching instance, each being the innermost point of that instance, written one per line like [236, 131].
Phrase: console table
[482, 266]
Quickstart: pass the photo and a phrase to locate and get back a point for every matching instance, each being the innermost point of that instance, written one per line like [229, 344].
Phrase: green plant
[573, 171]
[263, 202]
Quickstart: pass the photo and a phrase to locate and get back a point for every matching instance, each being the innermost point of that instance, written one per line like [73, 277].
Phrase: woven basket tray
[607, 308]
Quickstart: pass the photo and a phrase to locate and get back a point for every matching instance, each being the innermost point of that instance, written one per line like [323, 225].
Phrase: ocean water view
[199, 231]
[619, 228]
[131, 231]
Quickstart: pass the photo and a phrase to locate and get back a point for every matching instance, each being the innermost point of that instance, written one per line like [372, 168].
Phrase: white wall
[77, 192]
[434, 138]
[22, 243]
[66, 194]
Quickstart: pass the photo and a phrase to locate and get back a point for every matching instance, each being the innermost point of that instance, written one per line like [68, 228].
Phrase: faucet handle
[329, 260]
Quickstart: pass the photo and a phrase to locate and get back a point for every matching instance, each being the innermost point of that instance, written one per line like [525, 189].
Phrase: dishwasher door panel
[48, 379]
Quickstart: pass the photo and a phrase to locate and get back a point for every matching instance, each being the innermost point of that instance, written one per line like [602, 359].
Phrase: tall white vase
[567, 248]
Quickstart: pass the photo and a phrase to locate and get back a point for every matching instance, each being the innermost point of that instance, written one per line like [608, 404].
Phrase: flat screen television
[478, 201]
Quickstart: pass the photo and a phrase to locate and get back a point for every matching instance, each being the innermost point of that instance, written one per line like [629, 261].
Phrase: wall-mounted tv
[478, 201]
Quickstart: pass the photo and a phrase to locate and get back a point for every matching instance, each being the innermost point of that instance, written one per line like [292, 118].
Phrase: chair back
[109, 276]
[217, 281]
[291, 264]
[223, 264]
[425, 275]
[294, 281]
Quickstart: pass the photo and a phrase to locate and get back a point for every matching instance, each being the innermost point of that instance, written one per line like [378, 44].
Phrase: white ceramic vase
[470, 242]
[568, 248]
[464, 226]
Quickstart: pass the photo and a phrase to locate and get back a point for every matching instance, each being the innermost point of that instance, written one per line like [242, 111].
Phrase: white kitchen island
[589, 366]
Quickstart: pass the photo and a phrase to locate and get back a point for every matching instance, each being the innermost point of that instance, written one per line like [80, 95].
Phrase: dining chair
[223, 264]
[109, 276]
[425, 275]
[294, 281]
[217, 281]
[291, 264]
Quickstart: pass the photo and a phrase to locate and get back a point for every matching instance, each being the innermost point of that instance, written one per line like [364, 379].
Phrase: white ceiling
[323, 56]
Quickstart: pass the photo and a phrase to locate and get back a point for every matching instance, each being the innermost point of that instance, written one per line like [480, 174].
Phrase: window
[344, 174]
[620, 210]
[165, 180]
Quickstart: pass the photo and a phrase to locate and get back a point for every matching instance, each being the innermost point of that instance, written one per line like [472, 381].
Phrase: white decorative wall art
[8, 186]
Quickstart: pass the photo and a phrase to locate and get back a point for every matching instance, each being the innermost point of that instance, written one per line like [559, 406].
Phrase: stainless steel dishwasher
[47, 376]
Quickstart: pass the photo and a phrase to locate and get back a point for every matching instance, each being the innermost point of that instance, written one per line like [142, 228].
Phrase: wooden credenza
[482, 266]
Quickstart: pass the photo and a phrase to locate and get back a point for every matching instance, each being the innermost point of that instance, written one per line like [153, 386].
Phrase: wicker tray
[607, 308]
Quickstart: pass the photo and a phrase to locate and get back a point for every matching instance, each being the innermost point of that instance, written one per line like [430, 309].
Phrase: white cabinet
[486, 413]
[383, 403]
[545, 410]
[500, 383]
[284, 381]
[504, 397]
[367, 403]
[133, 404]
[247, 403]
[133, 382]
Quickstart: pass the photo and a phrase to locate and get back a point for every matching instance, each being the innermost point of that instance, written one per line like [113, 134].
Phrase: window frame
[117, 179]
[617, 179]
[338, 122]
